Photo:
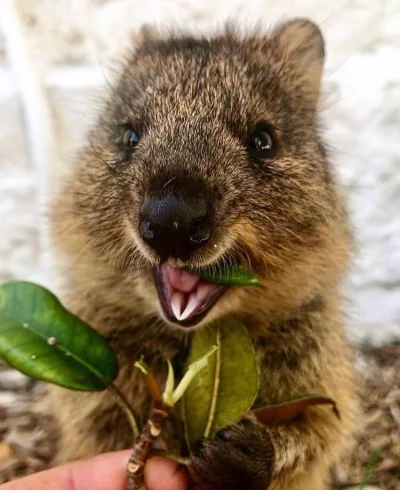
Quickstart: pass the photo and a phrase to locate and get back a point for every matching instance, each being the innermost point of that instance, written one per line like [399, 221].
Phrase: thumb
[105, 472]
[165, 474]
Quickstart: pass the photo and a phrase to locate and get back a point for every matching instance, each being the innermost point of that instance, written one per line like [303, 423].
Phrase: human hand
[105, 472]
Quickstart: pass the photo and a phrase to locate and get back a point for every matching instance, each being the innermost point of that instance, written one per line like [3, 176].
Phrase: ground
[28, 439]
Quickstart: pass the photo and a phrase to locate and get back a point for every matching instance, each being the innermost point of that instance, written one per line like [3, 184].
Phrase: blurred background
[57, 59]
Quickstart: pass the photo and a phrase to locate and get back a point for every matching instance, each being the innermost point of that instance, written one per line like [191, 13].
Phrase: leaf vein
[62, 349]
[217, 377]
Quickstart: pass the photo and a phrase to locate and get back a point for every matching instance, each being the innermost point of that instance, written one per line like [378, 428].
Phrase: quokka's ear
[302, 46]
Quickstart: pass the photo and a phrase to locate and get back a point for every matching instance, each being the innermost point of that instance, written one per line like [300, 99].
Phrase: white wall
[69, 47]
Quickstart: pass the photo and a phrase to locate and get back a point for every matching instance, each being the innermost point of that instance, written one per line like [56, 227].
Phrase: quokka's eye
[130, 137]
[263, 140]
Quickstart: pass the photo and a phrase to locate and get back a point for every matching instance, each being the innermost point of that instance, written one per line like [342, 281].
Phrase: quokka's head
[208, 154]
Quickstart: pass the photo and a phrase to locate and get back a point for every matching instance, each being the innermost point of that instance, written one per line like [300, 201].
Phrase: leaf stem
[192, 371]
[127, 408]
[216, 385]
[154, 388]
[151, 382]
[170, 383]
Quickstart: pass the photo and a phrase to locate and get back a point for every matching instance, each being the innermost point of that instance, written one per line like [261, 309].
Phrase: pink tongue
[188, 292]
[181, 280]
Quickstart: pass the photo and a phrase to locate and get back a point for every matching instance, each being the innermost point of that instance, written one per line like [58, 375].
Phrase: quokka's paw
[240, 457]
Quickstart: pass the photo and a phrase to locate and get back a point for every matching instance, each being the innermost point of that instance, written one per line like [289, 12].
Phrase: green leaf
[281, 412]
[234, 276]
[226, 388]
[43, 340]
[192, 371]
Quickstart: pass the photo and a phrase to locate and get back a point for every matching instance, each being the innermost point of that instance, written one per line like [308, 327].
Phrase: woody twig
[163, 404]
[151, 430]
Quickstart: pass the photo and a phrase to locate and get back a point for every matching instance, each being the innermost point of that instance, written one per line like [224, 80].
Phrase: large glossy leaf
[234, 276]
[226, 388]
[40, 338]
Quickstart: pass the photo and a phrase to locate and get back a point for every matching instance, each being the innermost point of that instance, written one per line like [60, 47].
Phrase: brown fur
[194, 103]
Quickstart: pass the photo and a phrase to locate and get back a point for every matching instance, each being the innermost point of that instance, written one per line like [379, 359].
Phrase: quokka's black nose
[175, 226]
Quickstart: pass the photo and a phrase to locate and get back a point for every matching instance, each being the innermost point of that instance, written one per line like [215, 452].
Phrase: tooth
[177, 300]
[190, 307]
[204, 290]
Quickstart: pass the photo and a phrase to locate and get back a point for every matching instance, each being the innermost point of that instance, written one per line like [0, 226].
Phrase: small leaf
[226, 388]
[140, 364]
[192, 371]
[234, 276]
[43, 340]
[275, 414]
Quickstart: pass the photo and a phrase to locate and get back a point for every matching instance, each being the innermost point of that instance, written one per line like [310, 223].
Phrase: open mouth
[185, 298]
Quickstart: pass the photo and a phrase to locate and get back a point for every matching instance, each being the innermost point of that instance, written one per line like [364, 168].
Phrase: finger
[165, 474]
[105, 472]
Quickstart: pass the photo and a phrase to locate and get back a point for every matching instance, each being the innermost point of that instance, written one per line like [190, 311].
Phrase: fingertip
[101, 472]
[165, 474]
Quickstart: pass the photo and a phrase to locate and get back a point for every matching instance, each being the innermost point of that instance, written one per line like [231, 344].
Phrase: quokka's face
[207, 155]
